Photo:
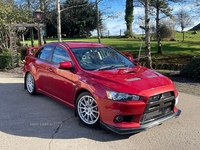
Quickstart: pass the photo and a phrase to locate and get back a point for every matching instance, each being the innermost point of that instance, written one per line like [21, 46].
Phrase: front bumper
[142, 127]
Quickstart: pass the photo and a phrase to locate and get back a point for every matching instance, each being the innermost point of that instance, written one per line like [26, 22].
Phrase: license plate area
[150, 116]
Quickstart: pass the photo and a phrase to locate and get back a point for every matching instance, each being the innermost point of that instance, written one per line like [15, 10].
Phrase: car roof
[83, 44]
[75, 44]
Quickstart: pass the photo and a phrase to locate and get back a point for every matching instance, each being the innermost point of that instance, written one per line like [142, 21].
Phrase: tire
[30, 84]
[87, 109]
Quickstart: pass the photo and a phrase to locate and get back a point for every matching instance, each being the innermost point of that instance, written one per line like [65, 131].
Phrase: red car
[102, 85]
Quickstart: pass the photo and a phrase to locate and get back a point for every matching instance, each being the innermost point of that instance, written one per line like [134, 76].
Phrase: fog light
[118, 119]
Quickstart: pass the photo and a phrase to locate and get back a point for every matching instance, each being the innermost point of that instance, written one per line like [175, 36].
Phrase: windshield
[100, 58]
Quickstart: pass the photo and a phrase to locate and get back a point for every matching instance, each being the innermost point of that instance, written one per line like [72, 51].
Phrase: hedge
[5, 61]
[192, 69]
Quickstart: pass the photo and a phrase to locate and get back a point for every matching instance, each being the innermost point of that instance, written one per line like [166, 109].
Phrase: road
[41, 123]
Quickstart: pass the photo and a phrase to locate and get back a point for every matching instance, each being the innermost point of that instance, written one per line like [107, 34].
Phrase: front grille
[158, 106]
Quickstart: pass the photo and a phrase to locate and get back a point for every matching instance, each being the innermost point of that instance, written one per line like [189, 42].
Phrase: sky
[114, 25]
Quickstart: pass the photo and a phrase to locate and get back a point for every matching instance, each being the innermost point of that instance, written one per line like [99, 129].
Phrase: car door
[41, 64]
[61, 82]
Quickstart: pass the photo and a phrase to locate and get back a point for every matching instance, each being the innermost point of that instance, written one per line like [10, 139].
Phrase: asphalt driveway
[39, 122]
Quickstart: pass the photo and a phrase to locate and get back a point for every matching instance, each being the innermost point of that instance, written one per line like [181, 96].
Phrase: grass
[178, 51]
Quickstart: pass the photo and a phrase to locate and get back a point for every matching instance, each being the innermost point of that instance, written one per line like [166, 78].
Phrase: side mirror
[65, 65]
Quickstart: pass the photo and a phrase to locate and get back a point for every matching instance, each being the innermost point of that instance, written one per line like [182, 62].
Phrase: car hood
[131, 80]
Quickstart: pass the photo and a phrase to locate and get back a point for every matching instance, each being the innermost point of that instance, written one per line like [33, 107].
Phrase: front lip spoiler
[144, 127]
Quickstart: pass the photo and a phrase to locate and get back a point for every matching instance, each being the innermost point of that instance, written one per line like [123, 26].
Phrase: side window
[44, 53]
[60, 55]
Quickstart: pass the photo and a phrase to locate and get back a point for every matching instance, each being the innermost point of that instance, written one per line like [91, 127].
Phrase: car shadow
[22, 114]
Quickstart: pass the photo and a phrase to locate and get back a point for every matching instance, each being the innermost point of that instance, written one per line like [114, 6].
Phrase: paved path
[40, 123]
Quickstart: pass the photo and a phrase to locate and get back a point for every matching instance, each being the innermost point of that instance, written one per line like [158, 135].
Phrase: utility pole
[59, 22]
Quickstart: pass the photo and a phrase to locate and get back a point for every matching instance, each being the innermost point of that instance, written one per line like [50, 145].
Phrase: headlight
[117, 96]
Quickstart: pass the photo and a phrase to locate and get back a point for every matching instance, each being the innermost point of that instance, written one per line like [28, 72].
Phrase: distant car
[102, 85]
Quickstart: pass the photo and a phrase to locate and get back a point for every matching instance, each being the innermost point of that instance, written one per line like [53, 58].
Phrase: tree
[10, 12]
[104, 30]
[161, 6]
[183, 20]
[146, 4]
[147, 37]
[80, 20]
[98, 21]
[129, 15]
[49, 9]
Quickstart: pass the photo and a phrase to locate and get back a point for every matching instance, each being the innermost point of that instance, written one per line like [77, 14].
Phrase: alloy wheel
[87, 109]
[30, 84]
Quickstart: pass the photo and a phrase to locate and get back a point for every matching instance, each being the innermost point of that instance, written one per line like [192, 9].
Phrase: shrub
[19, 58]
[192, 69]
[6, 50]
[128, 34]
[194, 32]
[22, 50]
[5, 61]
[165, 32]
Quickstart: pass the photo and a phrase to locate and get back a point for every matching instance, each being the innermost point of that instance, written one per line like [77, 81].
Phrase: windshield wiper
[109, 67]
